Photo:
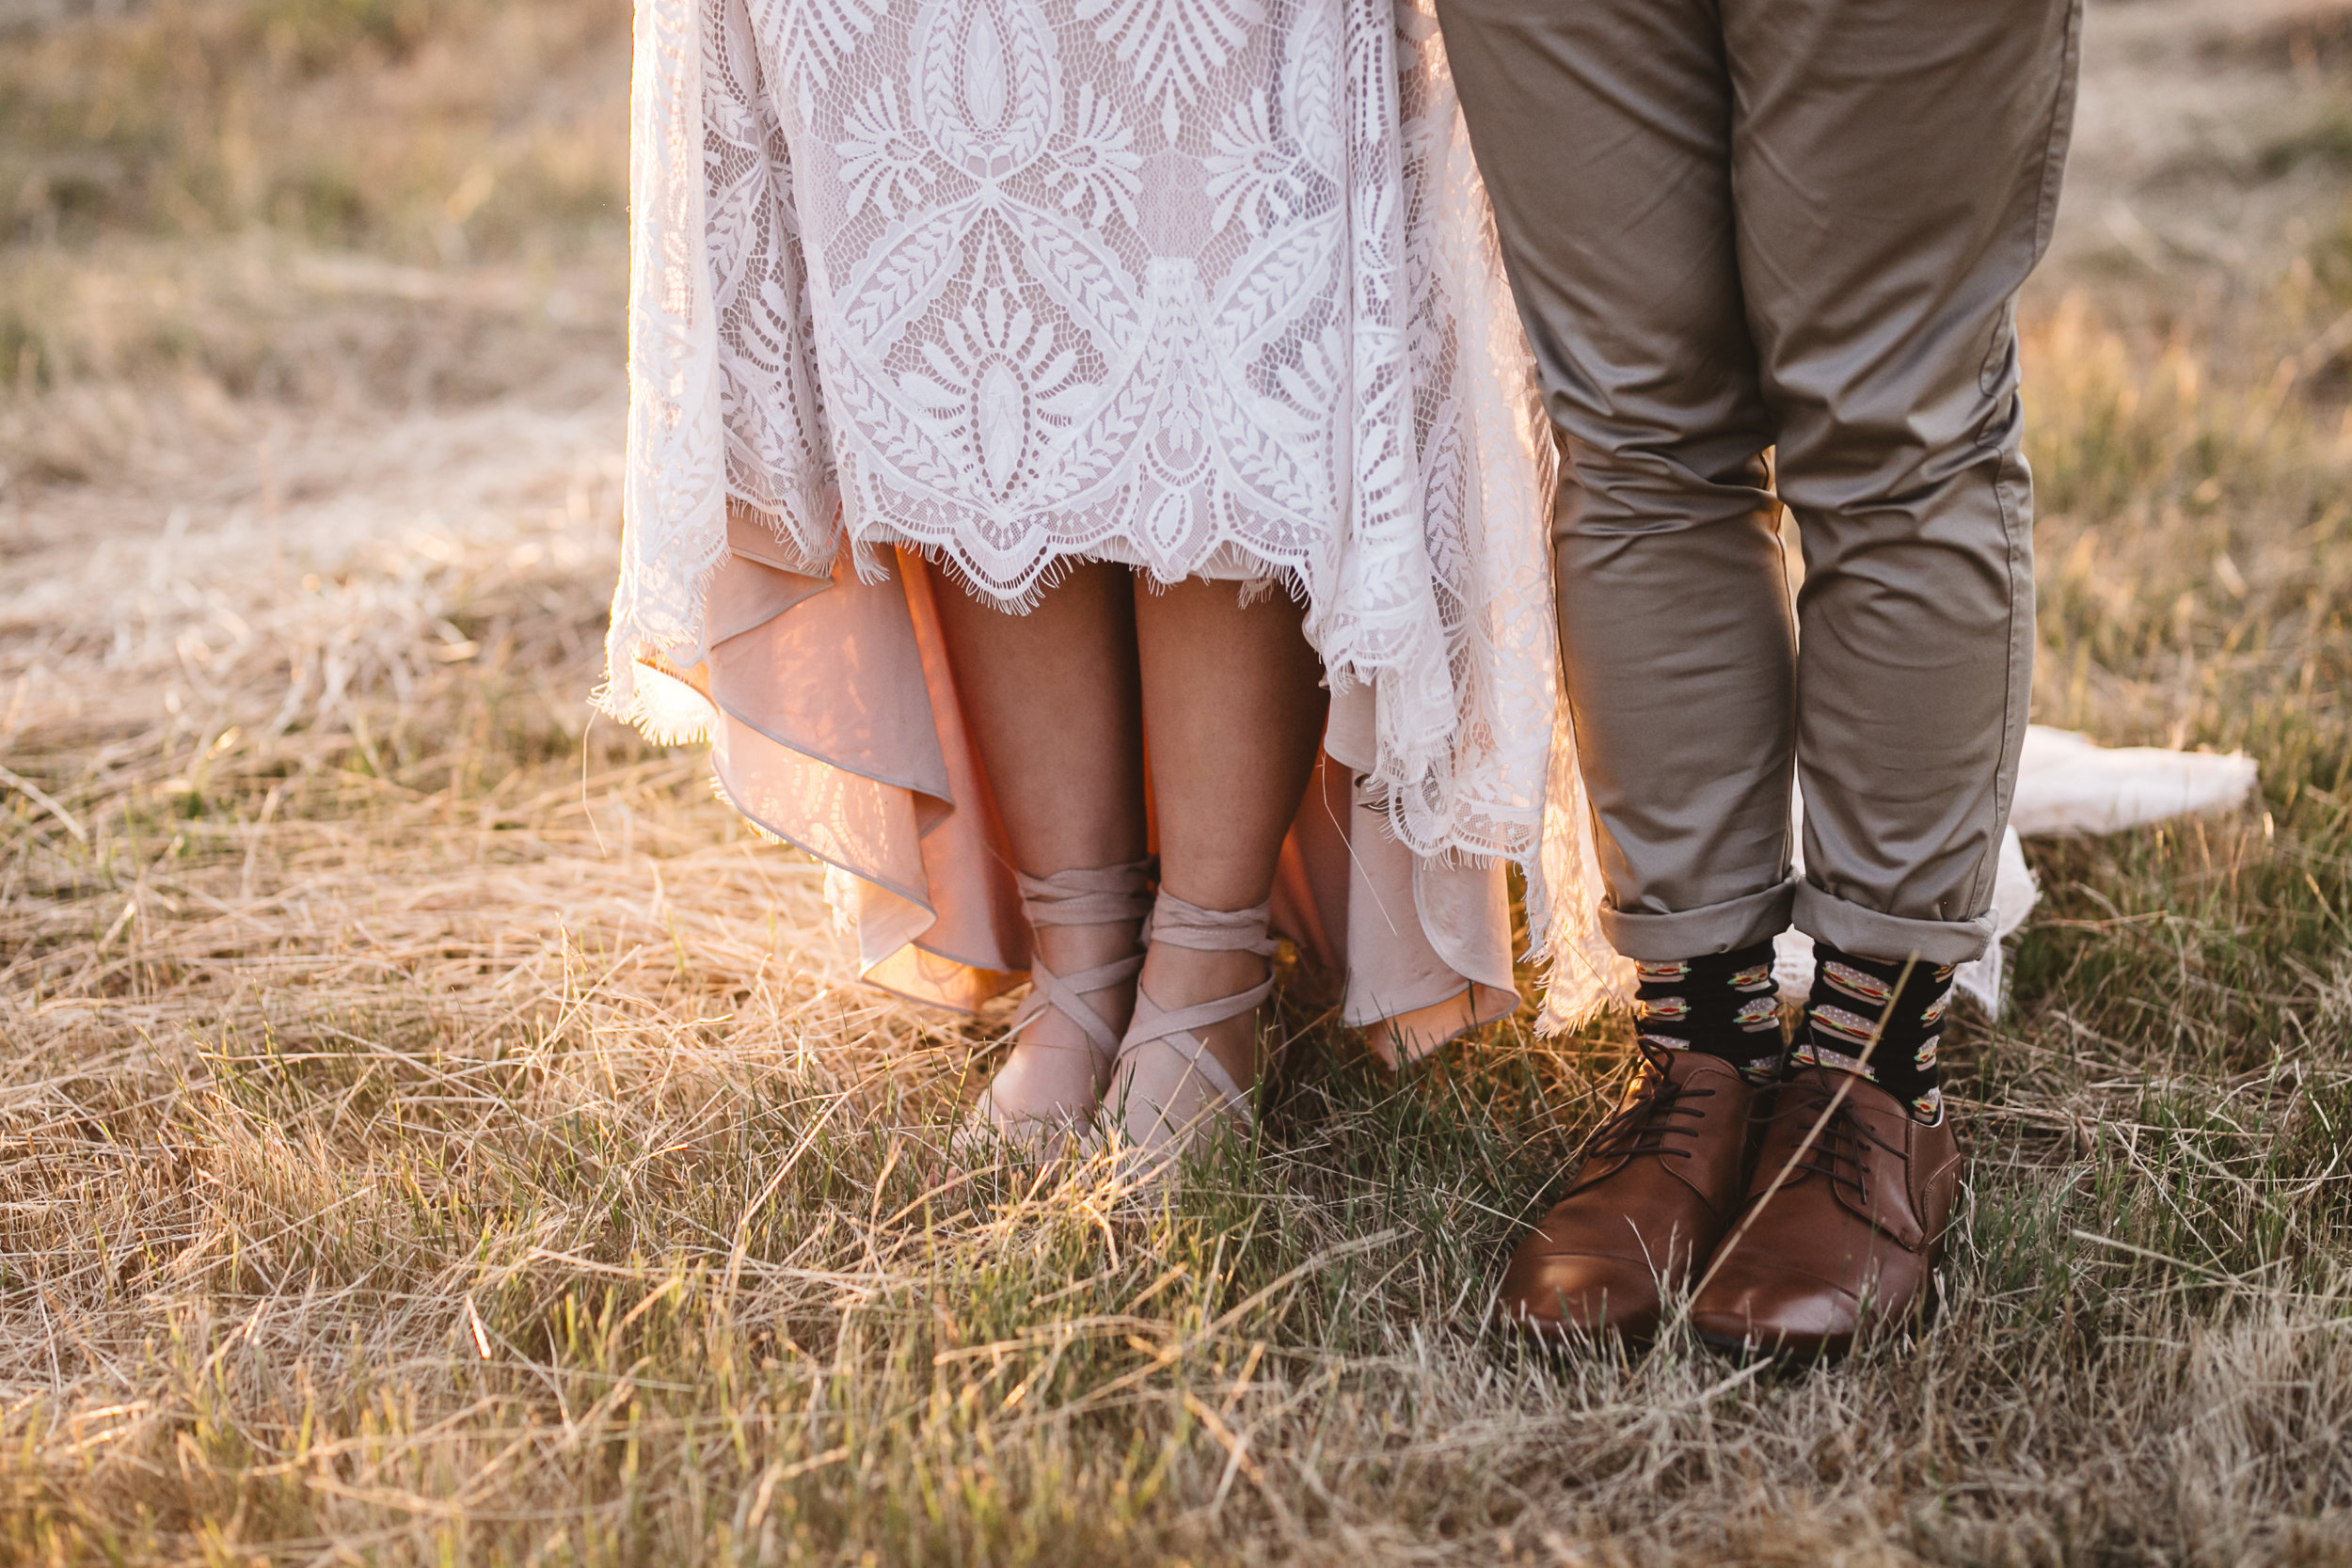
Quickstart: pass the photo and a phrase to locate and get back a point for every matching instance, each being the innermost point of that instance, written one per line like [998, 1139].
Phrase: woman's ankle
[1075, 949]
[1186, 977]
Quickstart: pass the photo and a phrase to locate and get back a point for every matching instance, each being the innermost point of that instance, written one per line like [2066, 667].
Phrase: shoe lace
[1646, 1122]
[1840, 1152]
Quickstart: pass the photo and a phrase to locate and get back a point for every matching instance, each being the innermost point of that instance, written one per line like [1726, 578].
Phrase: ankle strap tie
[1089, 894]
[1183, 925]
[1172, 1034]
[1086, 895]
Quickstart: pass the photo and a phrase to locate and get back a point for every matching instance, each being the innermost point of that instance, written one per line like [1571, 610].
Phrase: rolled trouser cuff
[1869, 933]
[1723, 928]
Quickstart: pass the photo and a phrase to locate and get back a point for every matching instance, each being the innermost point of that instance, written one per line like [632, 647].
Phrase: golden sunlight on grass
[435, 1131]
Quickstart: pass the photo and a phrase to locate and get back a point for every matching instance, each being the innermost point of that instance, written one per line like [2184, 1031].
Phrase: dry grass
[213, 206]
[424, 129]
[435, 1132]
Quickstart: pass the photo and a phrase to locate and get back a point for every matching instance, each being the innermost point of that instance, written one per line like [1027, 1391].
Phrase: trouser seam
[2004, 776]
[2053, 165]
[2059, 133]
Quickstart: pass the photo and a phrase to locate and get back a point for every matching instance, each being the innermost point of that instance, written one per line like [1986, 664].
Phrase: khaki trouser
[1743, 225]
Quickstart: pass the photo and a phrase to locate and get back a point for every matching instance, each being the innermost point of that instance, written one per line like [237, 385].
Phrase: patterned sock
[1854, 998]
[1724, 1003]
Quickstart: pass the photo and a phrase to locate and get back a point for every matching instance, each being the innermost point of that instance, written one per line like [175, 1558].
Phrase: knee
[1932, 578]
[1858, 425]
[1661, 483]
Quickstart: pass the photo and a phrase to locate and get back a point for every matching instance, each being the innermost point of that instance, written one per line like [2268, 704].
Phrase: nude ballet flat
[1090, 896]
[1170, 1092]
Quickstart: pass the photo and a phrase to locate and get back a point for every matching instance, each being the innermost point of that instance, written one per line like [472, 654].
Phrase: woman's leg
[1052, 698]
[1233, 702]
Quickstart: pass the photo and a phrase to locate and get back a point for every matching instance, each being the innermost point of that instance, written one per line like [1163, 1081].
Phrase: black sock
[1900, 1005]
[1724, 1003]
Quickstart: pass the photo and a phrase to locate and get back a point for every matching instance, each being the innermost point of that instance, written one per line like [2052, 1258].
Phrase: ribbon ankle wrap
[1174, 1084]
[1087, 894]
[1084, 896]
[1182, 925]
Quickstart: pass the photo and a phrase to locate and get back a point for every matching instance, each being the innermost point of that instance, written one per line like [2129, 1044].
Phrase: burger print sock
[1855, 998]
[1724, 1003]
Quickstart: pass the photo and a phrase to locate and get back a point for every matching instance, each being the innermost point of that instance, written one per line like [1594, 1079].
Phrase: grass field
[432, 1131]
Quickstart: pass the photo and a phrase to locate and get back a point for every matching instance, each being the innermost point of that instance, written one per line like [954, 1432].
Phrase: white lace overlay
[1186, 283]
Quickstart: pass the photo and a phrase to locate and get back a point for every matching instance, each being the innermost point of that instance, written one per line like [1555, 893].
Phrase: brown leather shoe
[1852, 1235]
[1661, 1182]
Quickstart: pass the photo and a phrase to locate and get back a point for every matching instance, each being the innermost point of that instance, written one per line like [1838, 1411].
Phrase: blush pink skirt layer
[834, 725]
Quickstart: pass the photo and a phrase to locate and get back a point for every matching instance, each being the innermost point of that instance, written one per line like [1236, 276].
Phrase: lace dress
[1204, 286]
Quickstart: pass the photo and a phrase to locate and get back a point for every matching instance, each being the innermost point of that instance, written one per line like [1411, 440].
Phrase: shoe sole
[1747, 1351]
[1554, 1335]
[1920, 1314]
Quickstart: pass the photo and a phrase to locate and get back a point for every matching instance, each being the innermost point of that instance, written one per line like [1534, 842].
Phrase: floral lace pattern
[1178, 282]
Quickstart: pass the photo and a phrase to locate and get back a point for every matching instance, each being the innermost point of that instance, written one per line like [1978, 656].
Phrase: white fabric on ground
[2069, 784]
[2066, 783]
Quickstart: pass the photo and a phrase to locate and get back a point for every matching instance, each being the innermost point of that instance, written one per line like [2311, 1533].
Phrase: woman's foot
[1192, 1057]
[1085, 955]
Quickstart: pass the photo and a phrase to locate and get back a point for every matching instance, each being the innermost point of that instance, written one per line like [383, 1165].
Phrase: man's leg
[1896, 167]
[1604, 132]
